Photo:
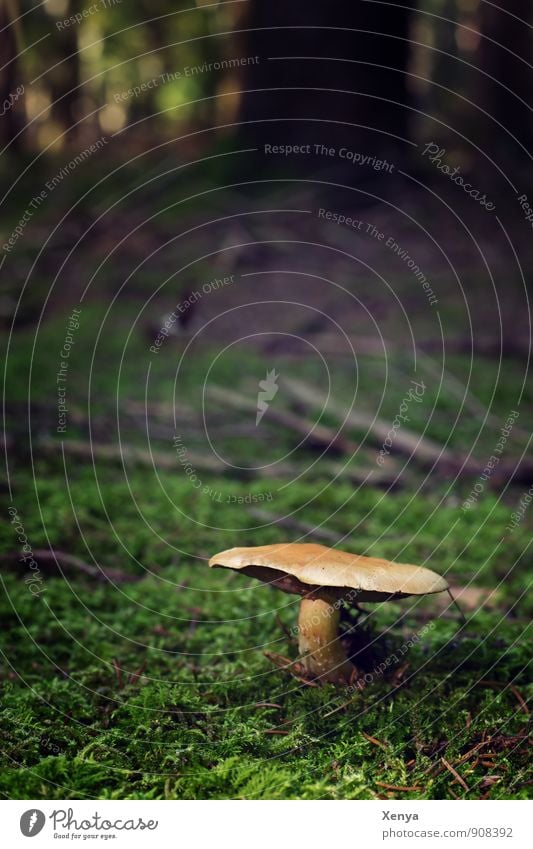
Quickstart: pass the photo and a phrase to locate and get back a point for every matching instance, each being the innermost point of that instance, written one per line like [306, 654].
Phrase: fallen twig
[158, 409]
[399, 673]
[136, 674]
[63, 558]
[420, 448]
[498, 685]
[279, 660]
[484, 347]
[127, 454]
[455, 774]
[474, 750]
[375, 742]
[399, 787]
[465, 396]
[520, 699]
[489, 780]
[313, 432]
[118, 673]
[132, 455]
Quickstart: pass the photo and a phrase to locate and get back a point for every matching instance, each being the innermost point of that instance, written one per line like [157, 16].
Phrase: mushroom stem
[322, 654]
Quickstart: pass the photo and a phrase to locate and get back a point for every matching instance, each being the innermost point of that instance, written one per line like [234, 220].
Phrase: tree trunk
[11, 86]
[506, 42]
[373, 37]
[65, 79]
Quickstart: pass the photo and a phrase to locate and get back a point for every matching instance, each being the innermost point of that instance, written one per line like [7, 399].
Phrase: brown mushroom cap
[299, 567]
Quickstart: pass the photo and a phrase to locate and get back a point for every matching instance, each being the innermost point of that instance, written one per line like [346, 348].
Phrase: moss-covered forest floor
[131, 670]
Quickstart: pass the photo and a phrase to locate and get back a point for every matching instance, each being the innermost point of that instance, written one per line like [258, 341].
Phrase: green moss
[189, 726]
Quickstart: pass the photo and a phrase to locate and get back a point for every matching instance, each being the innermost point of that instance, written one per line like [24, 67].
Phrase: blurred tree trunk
[501, 58]
[378, 41]
[10, 82]
[447, 71]
[65, 78]
[157, 37]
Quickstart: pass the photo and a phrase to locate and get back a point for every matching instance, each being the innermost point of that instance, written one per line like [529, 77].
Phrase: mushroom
[325, 578]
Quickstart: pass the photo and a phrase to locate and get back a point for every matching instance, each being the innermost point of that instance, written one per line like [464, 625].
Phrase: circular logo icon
[32, 822]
